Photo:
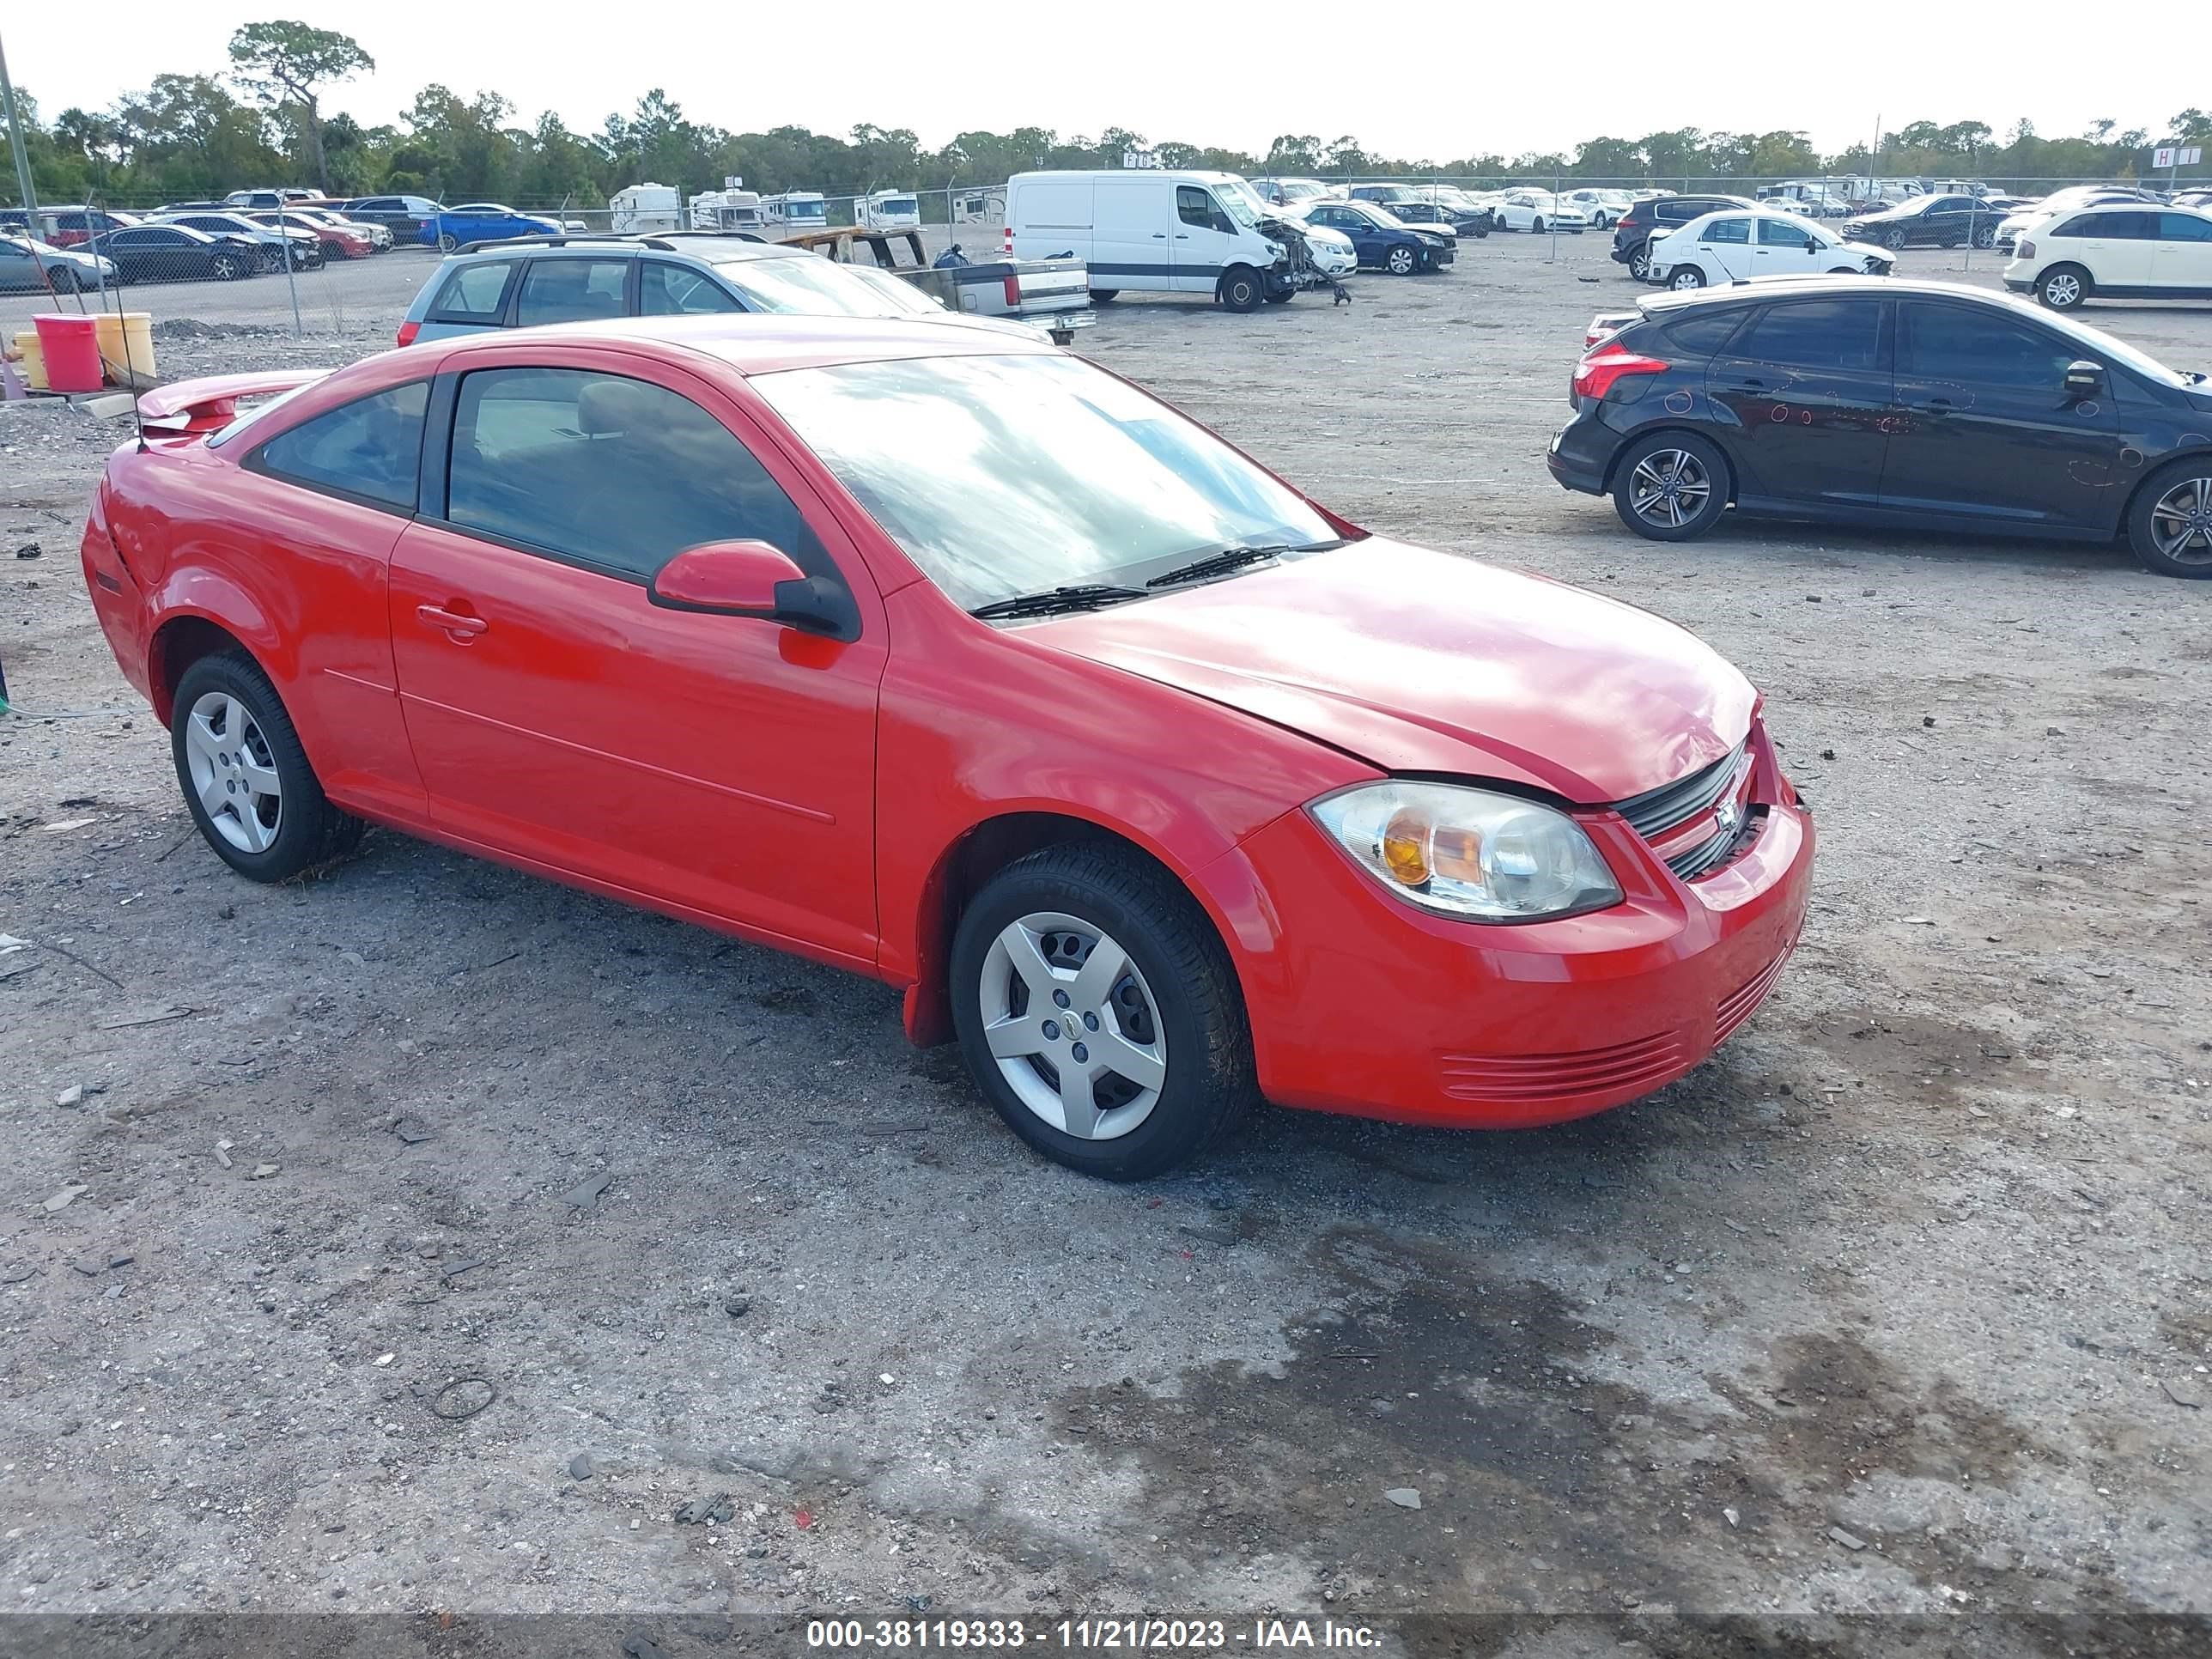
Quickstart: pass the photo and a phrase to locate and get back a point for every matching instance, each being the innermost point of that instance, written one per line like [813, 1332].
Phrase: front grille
[1709, 855]
[1656, 811]
[1646, 1062]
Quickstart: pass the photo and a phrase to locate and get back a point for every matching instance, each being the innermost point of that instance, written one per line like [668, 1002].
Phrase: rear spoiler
[205, 405]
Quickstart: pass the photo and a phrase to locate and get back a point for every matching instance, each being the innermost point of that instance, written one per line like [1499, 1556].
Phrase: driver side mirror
[753, 578]
[2084, 380]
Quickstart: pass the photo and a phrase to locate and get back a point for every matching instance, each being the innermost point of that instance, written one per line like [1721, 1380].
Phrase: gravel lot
[1898, 1305]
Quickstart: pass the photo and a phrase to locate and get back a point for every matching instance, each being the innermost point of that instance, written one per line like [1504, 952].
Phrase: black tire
[1639, 262]
[274, 258]
[1706, 465]
[1478, 230]
[447, 242]
[2063, 288]
[1688, 276]
[1402, 259]
[2192, 560]
[1892, 237]
[65, 279]
[308, 830]
[1283, 298]
[1199, 1007]
[1241, 289]
[1986, 237]
[227, 267]
[1099, 296]
[1536, 226]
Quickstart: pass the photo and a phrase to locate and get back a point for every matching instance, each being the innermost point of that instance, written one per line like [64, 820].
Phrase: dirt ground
[1898, 1306]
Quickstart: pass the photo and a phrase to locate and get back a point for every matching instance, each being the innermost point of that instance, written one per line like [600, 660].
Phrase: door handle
[1160, 236]
[460, 626]
[1183, 236]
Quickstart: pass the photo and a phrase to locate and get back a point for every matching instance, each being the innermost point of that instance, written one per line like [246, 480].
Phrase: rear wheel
[1671, 487]
[1639, 263]
[1101, 295]
[1241, 289]
[1098, 1012]
[1688, 276]
[247, 780]
[448, 241]
[2062, 287]
[1986, 236]
[2170, 526]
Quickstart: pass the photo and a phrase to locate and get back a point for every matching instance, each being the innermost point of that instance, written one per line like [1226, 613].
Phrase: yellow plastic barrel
[35, 361]
[133, 330]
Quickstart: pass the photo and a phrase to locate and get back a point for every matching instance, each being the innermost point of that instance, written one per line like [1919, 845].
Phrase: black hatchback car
[1651, 217]
[1931, 221]
[1919, 405]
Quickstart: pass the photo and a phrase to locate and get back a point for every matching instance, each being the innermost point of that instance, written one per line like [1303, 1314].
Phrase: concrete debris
[1405, 1498]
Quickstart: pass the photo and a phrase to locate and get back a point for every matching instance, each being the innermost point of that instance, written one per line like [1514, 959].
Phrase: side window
[2183, 227]
[666, 290]
[370, 449]
[1702, 329]
[1834, 334]
[2082, 224]
[1780, 233]
[474, 294]
[571, 290]
[2127, 227]
[1194, 207]
[1727, 230]
[539, 453]
[1962, 346]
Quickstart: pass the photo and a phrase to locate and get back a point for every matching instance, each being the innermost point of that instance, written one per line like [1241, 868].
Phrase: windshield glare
[1003, 476]
[808, 285]
[1245, 205]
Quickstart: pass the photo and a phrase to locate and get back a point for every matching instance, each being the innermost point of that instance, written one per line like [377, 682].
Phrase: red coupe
[964, 664]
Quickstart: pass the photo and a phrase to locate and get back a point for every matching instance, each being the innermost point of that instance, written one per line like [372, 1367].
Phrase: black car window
[1702, 330]
[2183, 227]
[1840, 334]
[539, 453]
[1194, 206]
[1780, 233]
[1966, 346]
[666, 290]
[370, 449]
[2126, 226]
[1727, 230]
[474, 293]
[571, 291]
[379, 204]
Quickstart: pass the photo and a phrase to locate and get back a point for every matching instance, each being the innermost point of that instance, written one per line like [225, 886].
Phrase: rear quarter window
[370, 449]
[1703, 331]
[474, 293]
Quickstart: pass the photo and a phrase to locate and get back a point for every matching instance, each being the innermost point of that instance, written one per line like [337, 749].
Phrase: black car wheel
[2062, 287]
[245, 779]
[1401, 260]
[1986, 237]
[2170, 524]
[64, 279]
[1671, 487]
[1241, 289]
[1098, 1012]
[1688, 276]
[226, 267]
[1639, 263]
[1893, 237]
[1536, 226]
[447, 242]
[1100, 296]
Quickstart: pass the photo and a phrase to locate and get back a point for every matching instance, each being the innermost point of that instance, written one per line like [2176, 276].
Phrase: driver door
[1203, 239]
[1784, 250]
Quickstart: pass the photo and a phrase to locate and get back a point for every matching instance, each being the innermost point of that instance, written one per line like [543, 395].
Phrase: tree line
[261, 121]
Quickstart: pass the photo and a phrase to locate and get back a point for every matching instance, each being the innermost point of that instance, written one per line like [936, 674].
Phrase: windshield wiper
[1087, 596]
[1231, 558]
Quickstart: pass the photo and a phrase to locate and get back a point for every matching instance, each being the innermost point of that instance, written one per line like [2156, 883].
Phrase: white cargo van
[1152, 229]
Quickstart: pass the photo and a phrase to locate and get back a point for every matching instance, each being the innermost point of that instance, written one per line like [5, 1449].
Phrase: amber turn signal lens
[1405, 847]
[1456, 854]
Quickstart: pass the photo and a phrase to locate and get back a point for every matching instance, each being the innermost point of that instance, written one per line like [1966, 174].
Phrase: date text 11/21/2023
[1133, 1634]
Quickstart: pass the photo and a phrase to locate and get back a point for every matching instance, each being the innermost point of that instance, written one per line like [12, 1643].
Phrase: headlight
[1466, 852]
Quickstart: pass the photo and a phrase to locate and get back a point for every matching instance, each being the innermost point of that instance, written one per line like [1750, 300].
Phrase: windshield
[898, 205]
[1242, 201]
[1002, 476]
[808, 285]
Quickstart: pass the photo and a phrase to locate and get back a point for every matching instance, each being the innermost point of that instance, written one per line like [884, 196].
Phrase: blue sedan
[1381, 240]
[483, 221]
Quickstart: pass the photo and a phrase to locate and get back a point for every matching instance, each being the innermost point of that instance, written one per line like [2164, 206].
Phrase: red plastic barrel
[71, 345]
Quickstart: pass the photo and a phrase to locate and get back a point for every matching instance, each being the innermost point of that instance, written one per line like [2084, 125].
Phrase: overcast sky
[1415, 79]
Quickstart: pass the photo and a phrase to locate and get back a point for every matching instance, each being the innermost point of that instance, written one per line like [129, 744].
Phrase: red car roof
[756, 343]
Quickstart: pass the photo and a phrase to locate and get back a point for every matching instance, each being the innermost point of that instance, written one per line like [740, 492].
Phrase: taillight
[2026, 250]
[408, 330]
[1595, 374]
[1014, 292]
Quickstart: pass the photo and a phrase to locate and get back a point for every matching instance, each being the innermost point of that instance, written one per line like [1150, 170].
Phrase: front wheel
[1401, 261]
[247, 780]
[1283, 298]
[1241, 289]
[2170, 526]
[1892, 239]
[1671, 487]
[1688, 276]
[1098, 1012]
[1536, 227]
[448, 241]
[2062, 288]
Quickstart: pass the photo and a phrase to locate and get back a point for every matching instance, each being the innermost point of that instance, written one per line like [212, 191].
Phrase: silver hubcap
[1639, 264]
[234, 773]
[1073, 1026]
[2181, 522]
[1402, 259]
[1668, 487]
[2064, 290]
[1687, 279]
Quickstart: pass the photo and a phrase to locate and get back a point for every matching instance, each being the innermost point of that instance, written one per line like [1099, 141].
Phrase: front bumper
[1361, 1004]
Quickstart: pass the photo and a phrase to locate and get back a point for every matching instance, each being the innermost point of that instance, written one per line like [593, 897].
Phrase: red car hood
[1420, 661]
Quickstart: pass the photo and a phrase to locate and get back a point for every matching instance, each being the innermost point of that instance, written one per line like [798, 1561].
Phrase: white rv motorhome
[733, 210]
[796, 210]
[645, 207]
[986, 206]
[888, 210]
